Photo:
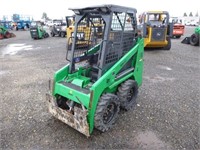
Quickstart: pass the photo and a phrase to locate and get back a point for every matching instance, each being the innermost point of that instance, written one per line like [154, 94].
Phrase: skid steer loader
[156, 29]
[4, 33]
[89, 92]
[37, 31]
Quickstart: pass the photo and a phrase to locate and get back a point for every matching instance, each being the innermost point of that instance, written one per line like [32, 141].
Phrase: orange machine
[178, 28]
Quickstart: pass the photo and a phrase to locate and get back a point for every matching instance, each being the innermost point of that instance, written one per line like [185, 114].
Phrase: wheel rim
[130, 95]
[109, 113]
[194, 39]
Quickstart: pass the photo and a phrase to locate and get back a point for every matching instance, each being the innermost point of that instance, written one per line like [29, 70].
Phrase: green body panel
[197, 30]
[3, 30]
[40, 33]
[108, 78]
[107, 83]
[72, 94]
[61, 74]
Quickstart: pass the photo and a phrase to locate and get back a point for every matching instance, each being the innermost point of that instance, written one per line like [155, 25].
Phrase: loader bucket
[186, 40]
[7, 35]
[1, 36]
[13, 35]
[77, 120]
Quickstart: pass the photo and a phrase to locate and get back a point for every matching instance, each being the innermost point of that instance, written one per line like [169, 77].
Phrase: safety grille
[89, 33]
[120, 38]
[158, 34]
[33, 32]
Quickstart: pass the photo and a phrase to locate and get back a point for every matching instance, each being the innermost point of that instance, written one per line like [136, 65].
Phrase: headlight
[58, 29]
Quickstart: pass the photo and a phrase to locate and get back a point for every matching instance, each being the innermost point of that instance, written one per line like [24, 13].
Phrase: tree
[191, 15]
[185, 14]
[44, 16]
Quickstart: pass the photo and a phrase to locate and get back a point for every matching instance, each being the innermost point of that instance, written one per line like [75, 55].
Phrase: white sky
[59, 8]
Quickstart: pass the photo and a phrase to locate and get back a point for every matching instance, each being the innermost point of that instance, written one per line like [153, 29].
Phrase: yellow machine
[156, 29]
[84, 35]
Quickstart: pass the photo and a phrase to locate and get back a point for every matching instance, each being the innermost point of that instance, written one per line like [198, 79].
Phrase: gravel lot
[166, 116]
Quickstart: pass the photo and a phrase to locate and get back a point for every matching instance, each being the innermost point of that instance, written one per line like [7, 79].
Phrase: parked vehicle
[4, 33]
[156, 29]
[37, 31]
[178, 27]
[59, 29]
[102, 79]
[23, 25]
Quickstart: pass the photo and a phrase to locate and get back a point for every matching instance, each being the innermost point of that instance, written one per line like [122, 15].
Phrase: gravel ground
[166, 116]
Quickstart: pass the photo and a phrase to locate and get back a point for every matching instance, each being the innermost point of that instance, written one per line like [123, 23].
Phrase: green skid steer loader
[4, 33]
[37, 31]
[104, 76]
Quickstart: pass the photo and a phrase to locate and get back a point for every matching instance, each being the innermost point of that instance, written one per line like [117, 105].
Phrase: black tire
[52, 34]
[127, 93]
[194, 39]
[62, 34]
[178, 36]
[168, 46]
[46, 35]
[106, 112]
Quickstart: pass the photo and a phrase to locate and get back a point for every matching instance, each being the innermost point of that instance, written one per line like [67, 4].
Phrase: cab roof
[108, 7]
[156, 12]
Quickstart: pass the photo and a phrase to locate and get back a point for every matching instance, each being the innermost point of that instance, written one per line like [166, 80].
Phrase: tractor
[156, 29]
[4, 33]
[194, 39]
[37, 31]
[102, 79]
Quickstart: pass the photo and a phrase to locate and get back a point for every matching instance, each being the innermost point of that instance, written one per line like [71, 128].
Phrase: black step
[75, 87]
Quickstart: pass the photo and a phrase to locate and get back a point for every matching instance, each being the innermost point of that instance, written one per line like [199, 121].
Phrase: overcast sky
[59, 8]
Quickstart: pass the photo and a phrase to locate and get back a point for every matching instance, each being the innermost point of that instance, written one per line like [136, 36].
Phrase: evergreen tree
[44, 16]
[185, 14]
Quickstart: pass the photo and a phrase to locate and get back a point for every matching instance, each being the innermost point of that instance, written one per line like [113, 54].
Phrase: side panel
[138, 72]
[109, 78]
[60, 74]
